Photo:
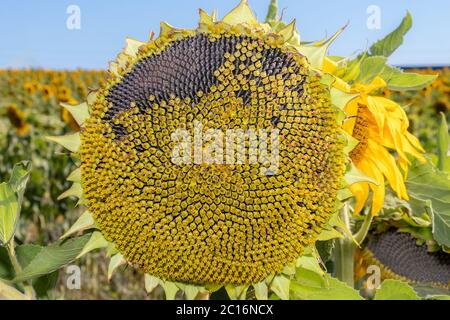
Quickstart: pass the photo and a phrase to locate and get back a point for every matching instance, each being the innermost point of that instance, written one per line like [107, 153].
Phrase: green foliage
[9, 209]
[11, 199]
[395, 290]
[309, 285]
[272, 13]
[431, 189]
[443, 146]
[398, 80]
[325, 249]
[46, 260]
[390, 43]
[371, 67]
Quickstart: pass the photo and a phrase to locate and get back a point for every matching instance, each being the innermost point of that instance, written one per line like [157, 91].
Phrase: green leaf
[371, 67]
[350, 70]
[96, 241]
[325, 249]
[397, 80]
[272, 13]
[45, 260]
[9, 208]
[151, 283]
[395, 290]
[44, 286]
[11, 198]
[6, 267]
[71, 141]
[84, 222]
[280, 286]
[444, 144]
[430, 187]
[387, 45]
[19, 178]
[309, 285]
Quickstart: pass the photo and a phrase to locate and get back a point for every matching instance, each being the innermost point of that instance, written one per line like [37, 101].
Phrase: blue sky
[34, 33]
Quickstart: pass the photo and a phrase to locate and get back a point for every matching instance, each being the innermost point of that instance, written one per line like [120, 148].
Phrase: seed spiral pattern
[401, 255]
[221, 223]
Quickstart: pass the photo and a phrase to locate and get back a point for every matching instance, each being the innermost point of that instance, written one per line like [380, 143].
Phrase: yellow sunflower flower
[380, 125]
[17, 119]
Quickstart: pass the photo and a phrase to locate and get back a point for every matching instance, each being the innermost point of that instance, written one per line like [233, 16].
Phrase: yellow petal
[386, 164]
[414, 141]
[329, 65]
[361, 193]
[377, 83]
[376, 107]
[377, 199]
[370, 169]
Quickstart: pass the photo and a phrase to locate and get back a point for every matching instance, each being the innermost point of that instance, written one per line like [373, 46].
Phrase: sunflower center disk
[212, 222]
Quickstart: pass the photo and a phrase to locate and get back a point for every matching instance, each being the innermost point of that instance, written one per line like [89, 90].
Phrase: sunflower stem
[344, 253]
[364, 229]
[28, 288]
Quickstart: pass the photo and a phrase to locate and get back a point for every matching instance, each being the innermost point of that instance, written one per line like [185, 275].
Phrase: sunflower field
[357, 205]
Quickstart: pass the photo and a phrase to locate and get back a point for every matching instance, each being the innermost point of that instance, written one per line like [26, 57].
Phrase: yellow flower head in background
[380, 125]
[17, 119]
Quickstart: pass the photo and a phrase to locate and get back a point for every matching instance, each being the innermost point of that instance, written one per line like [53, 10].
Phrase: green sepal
[316, 52]
[71, 142]
[96, 241]
[151, 282]
[115, 262]
[79, 112]
[237, 292]
[85, 221]
[75, 190]
[75, 175]
[242, 14]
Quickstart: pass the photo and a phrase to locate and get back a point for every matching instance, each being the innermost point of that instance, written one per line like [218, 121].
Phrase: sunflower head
[228, 84]
[400, 257]
[17, 119]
